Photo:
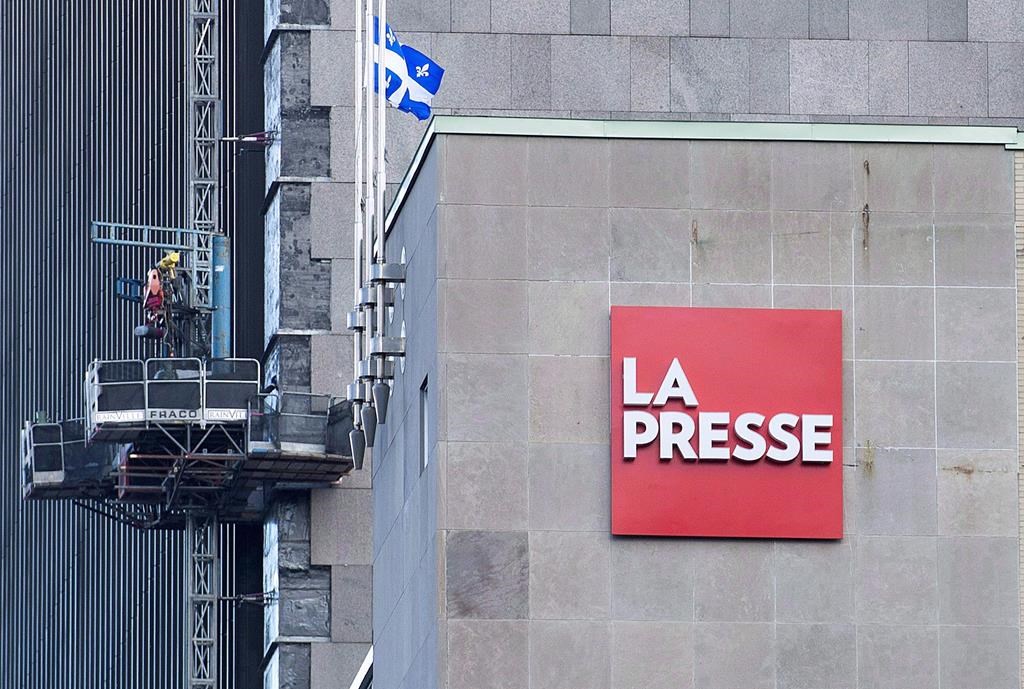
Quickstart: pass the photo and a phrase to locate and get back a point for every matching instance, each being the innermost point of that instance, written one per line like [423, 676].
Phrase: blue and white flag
[411, 78]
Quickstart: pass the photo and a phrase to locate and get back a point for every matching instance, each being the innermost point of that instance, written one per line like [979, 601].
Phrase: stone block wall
[319, 629]
[407, 464]
[948, 62]
[538, 237]
[945, 61]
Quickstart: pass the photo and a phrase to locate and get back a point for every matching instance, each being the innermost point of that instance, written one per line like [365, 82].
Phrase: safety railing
[115, 392]
[229, 384]
[132, 393]
[339, 426]
[298, 423]
[174, 390]
[42, 454]
[56, 454]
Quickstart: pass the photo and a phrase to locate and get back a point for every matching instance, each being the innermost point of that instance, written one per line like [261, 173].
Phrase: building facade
[475, 549]
[493, 561]
[519, 245]
[488, 535]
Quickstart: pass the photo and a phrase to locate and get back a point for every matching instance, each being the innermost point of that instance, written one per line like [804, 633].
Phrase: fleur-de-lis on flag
[411, 79]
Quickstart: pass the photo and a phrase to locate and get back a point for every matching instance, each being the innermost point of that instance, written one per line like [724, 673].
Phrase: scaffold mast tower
[193, 437]
[204, 118]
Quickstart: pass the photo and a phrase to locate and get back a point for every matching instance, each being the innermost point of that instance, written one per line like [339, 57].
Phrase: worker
[153, 306]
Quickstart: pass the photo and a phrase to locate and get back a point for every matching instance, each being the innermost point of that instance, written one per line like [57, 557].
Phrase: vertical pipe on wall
[370, 181]
[380, 167]
[357, 233]
[221, 340]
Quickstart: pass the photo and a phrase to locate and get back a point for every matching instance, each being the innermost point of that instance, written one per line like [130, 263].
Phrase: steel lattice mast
[205, 124]
[203, 594]
[204, 121]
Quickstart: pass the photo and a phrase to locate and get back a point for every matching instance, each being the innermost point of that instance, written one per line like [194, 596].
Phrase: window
[424, 427]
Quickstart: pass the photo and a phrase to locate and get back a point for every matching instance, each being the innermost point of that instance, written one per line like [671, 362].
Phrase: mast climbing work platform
[178, 436]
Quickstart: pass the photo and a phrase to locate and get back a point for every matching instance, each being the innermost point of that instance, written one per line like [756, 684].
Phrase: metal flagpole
[356, 389]
[374, 352]
[369, 200]
[383, 40]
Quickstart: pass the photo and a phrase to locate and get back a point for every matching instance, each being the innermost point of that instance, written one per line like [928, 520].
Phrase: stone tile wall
[946, 61]
[407, 500]
[923, 587]
[319, 630]
[943, 61]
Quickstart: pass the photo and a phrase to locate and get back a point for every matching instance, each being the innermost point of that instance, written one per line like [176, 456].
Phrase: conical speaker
[369, 417]
[358, 442]
[381, 395]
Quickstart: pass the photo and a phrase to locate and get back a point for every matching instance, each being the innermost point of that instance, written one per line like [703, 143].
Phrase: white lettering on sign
[756, 436]
[118, 416]
[226, 414]
[168, 414]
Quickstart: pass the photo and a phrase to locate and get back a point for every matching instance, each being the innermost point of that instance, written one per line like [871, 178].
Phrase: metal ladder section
[195, 245]
[203, 597]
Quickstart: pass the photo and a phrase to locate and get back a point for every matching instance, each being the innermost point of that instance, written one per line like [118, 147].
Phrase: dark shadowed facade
[94, 121]
[591, 153]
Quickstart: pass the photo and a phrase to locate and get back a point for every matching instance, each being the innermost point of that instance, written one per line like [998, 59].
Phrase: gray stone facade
[318, 550]
[940, 62]
[534, 240]
[945, 62]
[407, 466]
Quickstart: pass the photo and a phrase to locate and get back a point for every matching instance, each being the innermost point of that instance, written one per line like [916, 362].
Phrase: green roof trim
[1007, 137]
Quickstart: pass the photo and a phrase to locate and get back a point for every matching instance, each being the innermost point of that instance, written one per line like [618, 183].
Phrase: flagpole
[370, 180]
[383, 40]
[375, 353]
[357, 234]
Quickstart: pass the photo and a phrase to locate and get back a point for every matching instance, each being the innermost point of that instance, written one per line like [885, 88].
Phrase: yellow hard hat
[170, 260]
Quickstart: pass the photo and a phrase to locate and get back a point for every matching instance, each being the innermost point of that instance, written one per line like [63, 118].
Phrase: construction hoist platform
[180, 435]
[187, 437]
[183, 443]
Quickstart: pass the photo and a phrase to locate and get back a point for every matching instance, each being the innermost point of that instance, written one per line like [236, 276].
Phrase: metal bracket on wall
[381, 273]
[260, 598]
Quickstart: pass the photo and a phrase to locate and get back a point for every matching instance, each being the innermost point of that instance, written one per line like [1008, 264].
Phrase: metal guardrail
[298, 423]
[228, 386]
[42, 454]
[115, 392]
[186, 424]
[174, 390]
[130, 392]
[56, 453]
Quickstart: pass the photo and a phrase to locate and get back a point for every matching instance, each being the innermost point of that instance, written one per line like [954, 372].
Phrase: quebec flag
[411, 78]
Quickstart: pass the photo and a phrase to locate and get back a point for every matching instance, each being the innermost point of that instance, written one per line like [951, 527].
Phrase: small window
[424, 427]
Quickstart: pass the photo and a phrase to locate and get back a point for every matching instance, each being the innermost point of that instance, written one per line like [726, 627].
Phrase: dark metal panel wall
[93, 125]
[243, 96]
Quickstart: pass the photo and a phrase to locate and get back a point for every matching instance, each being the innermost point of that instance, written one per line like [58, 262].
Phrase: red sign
[727, 422]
